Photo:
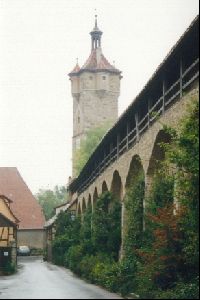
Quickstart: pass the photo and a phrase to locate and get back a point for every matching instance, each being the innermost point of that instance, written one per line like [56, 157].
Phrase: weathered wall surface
[34, 238]
[95, 102]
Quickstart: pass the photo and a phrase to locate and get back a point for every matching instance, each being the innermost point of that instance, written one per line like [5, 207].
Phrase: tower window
[79, 119]
[91, 78]
[104, 77]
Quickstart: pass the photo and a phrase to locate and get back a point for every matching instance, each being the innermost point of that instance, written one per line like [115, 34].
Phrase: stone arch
[104, 187]
[116, 185]
[155, 165]
[158, 153]
[89, 203]
[79, 209]
[136, 169]
[83, 206]
[95, 196]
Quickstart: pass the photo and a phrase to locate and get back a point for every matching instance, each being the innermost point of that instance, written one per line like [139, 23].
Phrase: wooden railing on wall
[174, 93]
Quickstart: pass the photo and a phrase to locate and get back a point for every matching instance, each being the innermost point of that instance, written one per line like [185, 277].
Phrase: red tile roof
[97, 61]
[24, 206]
[75, 70]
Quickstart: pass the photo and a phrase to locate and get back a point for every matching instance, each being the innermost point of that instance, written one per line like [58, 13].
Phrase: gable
[24, 205]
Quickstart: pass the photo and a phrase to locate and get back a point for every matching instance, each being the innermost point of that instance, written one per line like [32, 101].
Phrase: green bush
[59, 248]
[115, 276]
[86, 233]
[73, 258]
[183, 290]
[88, 265]
[126, 276]
[105, 275]
[67, 235]
[106, 225]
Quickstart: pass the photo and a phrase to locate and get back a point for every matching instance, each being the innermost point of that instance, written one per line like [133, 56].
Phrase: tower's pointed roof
[96, 62]
[76, 69]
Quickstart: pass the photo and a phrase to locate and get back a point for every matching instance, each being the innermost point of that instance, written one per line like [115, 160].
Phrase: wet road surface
[40, 280]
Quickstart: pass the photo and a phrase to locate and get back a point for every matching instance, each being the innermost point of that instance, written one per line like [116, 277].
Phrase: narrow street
[40, 280]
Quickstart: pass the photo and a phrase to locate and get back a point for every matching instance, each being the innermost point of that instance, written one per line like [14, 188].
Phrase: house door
[5, 257]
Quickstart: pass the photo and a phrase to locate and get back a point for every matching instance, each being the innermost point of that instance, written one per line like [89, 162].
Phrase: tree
[86, 231]
[49, 199]
[88, 145]
[161, 264]
[170, 266]
[67, 235]
[106, 225]
[134, 214]
[185, 154]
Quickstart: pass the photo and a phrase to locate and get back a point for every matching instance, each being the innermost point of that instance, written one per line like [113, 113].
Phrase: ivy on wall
[135, 214]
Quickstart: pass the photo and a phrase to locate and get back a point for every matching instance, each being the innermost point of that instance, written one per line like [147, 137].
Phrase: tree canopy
[88, 145]
[49, 199]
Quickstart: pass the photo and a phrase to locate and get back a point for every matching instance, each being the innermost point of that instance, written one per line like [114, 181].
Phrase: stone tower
[95, 89]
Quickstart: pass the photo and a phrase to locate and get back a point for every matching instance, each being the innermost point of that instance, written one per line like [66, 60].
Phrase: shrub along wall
[84, 246]
[160, 262]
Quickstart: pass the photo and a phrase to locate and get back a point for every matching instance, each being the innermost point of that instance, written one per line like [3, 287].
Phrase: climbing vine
[135, 213]
[168, 267]
[106, 229]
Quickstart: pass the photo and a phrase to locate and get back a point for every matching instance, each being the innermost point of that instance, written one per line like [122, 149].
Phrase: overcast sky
[39, 43]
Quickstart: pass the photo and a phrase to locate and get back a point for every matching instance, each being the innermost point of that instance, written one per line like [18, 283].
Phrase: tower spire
[96, 21]
[96, 35]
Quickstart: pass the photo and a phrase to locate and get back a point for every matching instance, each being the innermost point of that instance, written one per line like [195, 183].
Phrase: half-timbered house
[8, 234]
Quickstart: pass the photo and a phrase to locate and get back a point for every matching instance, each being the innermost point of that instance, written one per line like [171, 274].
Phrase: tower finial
[96, 18]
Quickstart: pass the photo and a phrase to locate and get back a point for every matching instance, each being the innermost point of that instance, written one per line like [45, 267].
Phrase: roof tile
[97, 61]
[24, 206]
[75, 70]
